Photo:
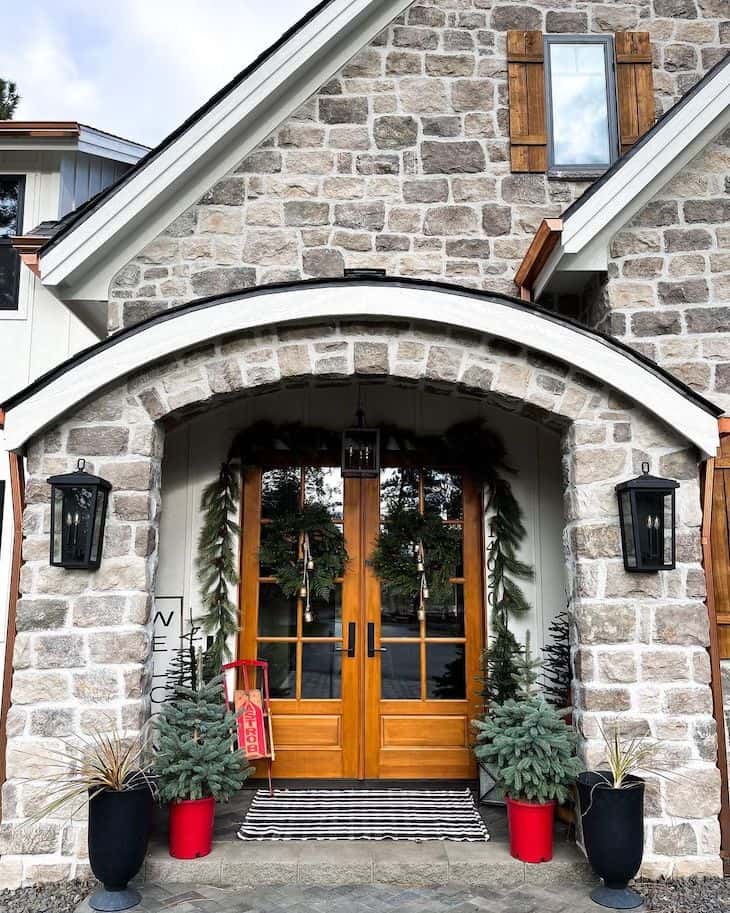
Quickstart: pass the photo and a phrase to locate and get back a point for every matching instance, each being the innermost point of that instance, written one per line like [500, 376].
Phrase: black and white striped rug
[363, 814]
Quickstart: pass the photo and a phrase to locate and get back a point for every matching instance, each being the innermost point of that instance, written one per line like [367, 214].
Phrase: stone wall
[668, 291]
[401, 162]
[82, 653]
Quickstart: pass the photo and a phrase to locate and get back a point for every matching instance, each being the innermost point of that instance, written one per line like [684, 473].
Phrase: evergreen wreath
[281, 551]
[217, 567]
[395, 558]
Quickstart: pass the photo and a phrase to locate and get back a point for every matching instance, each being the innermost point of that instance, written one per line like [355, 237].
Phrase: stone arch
[83, 646]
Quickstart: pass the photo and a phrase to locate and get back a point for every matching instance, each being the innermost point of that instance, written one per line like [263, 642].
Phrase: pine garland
[394, 559]
[216, 566]
[279, 552]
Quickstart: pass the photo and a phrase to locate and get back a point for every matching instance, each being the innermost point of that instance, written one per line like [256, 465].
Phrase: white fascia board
[641, 177]
[88, 257]
[587, 353]
[103, 145]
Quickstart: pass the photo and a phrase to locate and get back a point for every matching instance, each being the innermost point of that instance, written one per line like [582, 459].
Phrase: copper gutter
[28, 247]
[17, 496]
[542, 245]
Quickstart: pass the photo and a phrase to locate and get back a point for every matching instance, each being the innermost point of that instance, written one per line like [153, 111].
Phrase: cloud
[135, 67]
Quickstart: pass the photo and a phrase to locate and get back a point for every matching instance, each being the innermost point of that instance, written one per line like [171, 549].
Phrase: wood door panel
[423, 731]
[306, 731]
[426, 763]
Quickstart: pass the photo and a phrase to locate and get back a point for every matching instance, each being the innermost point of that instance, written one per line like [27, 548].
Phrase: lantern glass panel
[668, 530]
[75, 505]
[360, 452]
[628, 530]
[98, 525]
[651, 526]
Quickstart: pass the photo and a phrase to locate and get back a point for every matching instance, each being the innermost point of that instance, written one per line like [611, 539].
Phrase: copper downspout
[714, 651]
[17, 487]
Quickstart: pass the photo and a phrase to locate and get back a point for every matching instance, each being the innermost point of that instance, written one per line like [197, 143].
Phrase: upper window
[581, 103]
[12, 189]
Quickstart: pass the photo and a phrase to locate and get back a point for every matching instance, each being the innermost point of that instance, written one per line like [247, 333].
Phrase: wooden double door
[365, 689]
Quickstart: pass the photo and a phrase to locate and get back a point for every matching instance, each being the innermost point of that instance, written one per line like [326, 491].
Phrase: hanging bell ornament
[421, 613]
[419, 567]
[308, 615]
[303, 591]
[310, 564]
[454, 611]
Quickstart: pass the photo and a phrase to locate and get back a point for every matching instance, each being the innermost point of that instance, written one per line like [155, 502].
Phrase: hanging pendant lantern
[647, 518]
[78, 514]
[360, 450]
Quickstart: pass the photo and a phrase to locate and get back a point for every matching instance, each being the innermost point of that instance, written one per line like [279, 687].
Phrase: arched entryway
[117, 406]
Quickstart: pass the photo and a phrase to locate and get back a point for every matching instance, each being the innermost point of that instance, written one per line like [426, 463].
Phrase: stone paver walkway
[374, 898]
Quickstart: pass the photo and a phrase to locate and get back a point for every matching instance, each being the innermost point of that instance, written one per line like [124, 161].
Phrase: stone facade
[401, 162]
[83, 652]
[668, 287]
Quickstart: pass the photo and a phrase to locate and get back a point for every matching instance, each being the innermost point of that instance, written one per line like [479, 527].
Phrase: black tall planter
[613, 833]
[119, 828]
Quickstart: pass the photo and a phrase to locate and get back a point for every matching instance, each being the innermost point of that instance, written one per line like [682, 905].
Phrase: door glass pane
[327, 616]
[398, 617]
[321, 671]
[324, 486]
[445, 671]
[282, 660]
[398, 488]
[578, 92]
[446, 618]
[279, 492]
[442, 494]
[401, 672]
[277, 612]
[9, 277]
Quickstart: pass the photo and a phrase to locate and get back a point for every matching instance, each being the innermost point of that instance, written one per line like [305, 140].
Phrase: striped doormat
[363, 814]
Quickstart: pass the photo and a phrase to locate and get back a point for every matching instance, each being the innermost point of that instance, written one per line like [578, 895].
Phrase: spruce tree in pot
[612, 815]
[530, 751]
[197, 764]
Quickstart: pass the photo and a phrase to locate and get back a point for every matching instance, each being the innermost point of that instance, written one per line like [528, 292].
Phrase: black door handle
[351, 640]
[372, 649]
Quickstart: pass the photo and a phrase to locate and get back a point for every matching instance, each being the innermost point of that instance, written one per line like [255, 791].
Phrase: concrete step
[234, 863]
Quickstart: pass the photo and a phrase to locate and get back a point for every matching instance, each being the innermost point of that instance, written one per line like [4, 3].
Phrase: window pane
[400, 671]
[324, 486]
[398, 617]
[446, 618]
[9, 202]
[442, 494]
[579, 104]
[321, 671]
[279, 492]
[445, 671]
[398, 488]
[277, 613]
[327, 620]
[282, 660]
[9, 276]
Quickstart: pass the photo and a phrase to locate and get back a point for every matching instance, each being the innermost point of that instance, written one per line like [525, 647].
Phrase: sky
[136, 68]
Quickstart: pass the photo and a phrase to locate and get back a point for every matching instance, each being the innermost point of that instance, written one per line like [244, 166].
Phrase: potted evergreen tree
[196, 763]
[530, 751]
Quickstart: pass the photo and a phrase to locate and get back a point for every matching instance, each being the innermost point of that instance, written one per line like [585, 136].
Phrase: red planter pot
[530, 830]
[191, 827]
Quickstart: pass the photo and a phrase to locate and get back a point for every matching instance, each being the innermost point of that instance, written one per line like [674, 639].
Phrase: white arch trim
[455, 308]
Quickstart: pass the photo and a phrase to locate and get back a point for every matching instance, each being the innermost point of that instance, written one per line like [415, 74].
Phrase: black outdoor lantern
[361, 449]
[647, 517]
[78, 512]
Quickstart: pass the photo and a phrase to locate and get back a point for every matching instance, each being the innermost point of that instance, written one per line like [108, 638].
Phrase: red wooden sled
[252, 705]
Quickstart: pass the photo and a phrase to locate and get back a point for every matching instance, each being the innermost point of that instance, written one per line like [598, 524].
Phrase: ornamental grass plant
[526, 744]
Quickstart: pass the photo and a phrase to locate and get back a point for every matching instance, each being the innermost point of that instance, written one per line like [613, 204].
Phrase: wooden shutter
[720, 545]
[634, 87]
[526, 75]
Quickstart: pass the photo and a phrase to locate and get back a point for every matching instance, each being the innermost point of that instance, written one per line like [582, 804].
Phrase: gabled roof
[68, 135]
[106, 232]
[577, 244]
